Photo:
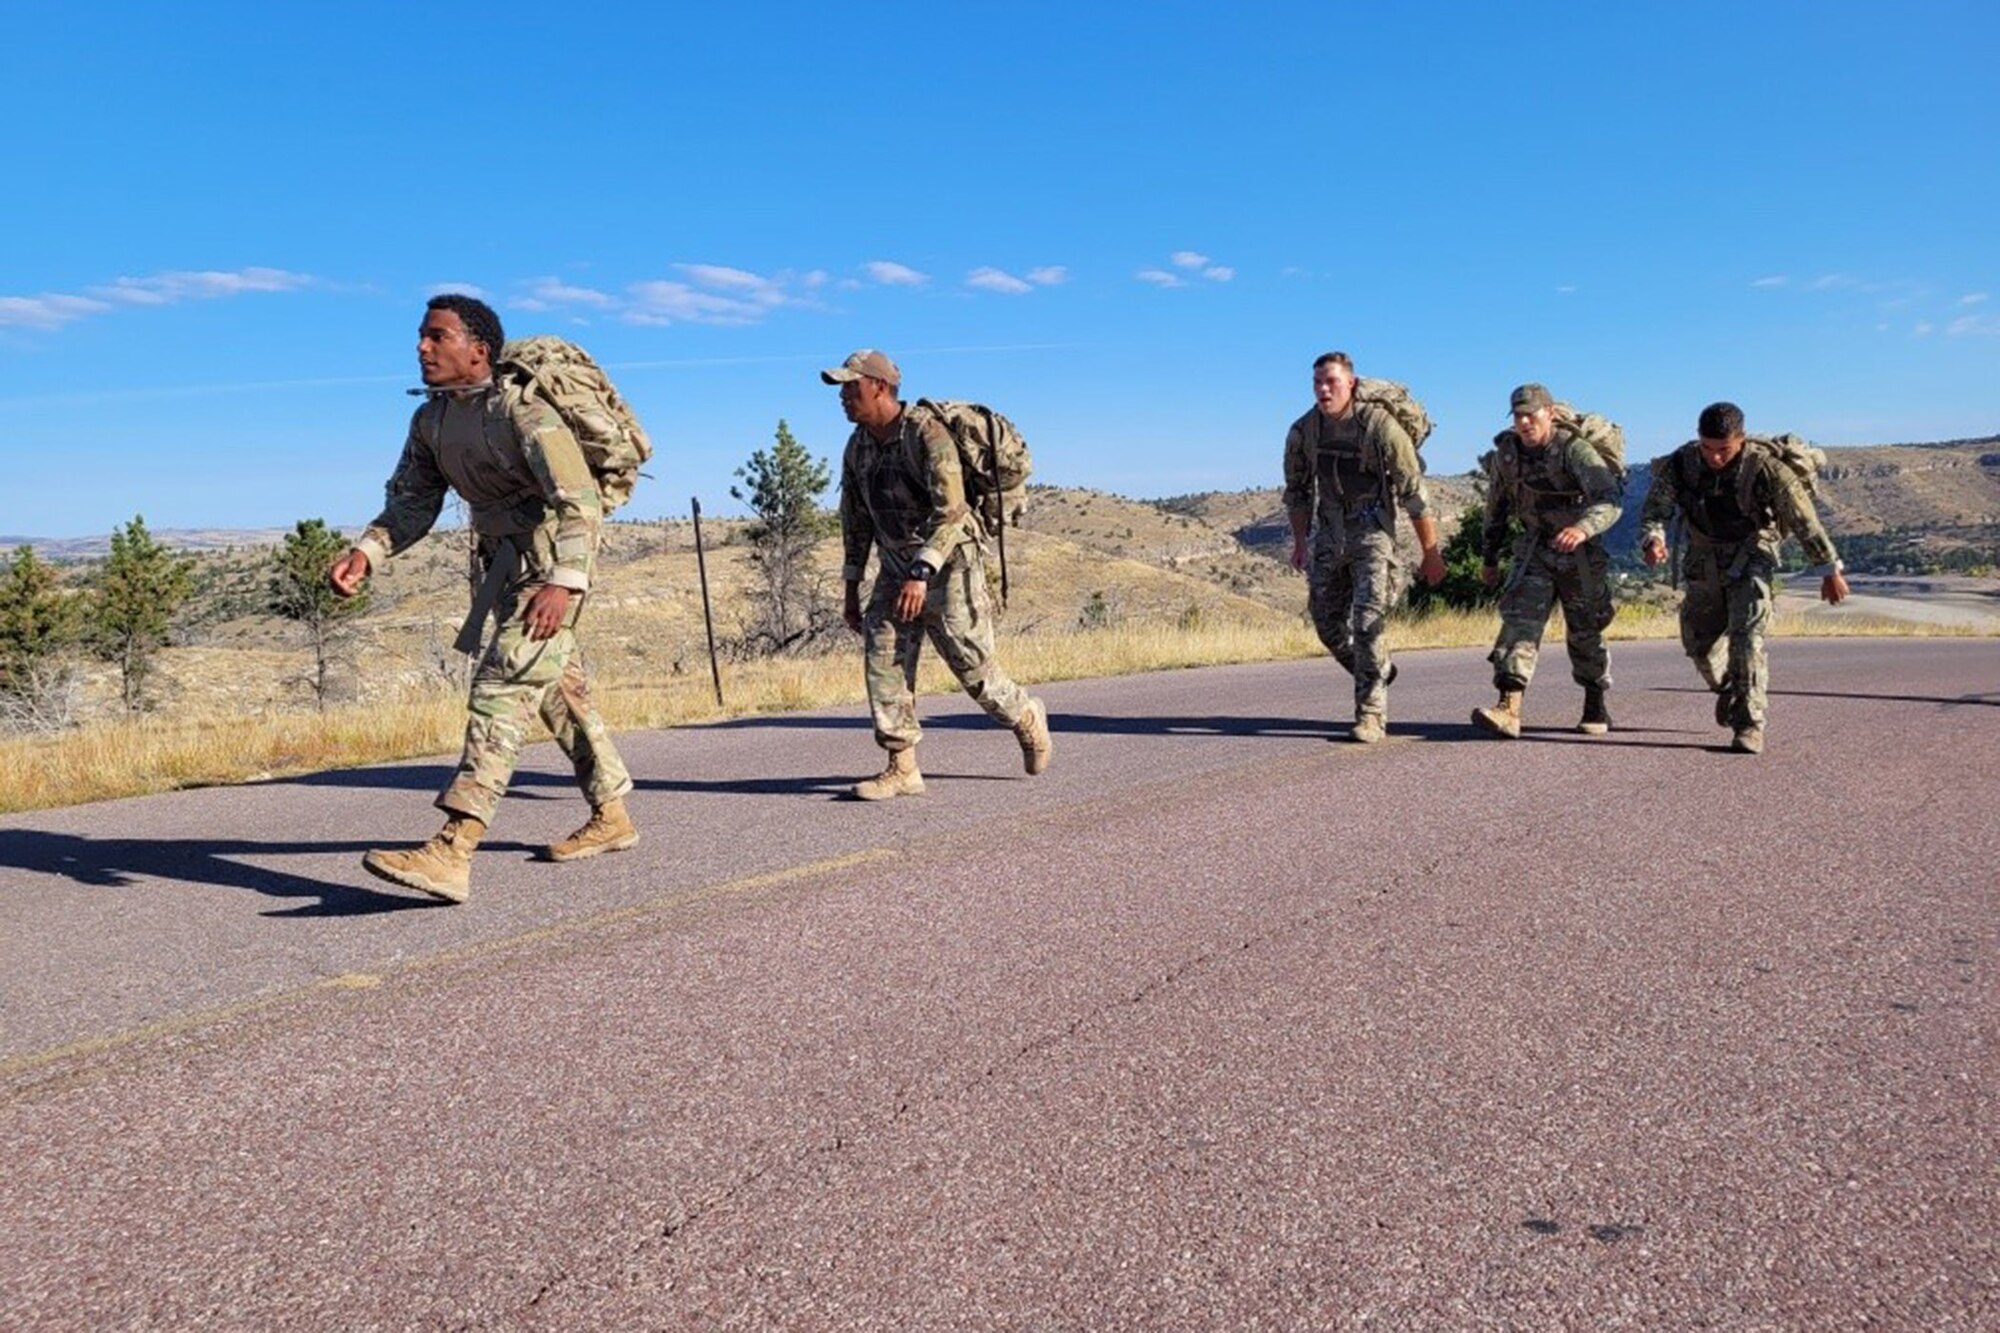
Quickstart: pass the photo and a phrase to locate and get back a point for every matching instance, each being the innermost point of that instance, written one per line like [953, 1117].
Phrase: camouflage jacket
[1772, 501]
[1388, 459]
[516, 466]
[906, 497]
[1564, 484]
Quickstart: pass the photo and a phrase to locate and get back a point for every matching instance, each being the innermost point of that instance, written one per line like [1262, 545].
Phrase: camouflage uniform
[1566, 483]
[1735, 518]
[524, 477]
[906, 500]
[1349, 474]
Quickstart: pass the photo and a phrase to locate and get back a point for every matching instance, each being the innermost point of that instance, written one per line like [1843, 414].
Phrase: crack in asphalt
[908, 1109]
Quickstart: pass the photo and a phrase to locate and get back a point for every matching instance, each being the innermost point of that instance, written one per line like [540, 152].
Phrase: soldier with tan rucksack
[1350, 463]
[1557, 476]
[534, 439]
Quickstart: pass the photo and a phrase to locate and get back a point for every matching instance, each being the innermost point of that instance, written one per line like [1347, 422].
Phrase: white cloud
[1833, 282]
[1565, 289]
[813, 280]
[1049, 275]
[1775, 280]
[997, 280]
[1981, 326]
[51, 310]
[1159, 277]
[1218, 273]
[1972, 298]
[54, 309]
[1188, 259]
[169, 288]
[471, 289]
[549, 293]
[662, 302]
[1922, 330]
[891, 274]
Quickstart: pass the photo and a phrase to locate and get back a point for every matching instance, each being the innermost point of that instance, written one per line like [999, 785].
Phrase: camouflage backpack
[1396, 400]
[1599, 432]
[1793, 451]
[561, 374]
[993, 457]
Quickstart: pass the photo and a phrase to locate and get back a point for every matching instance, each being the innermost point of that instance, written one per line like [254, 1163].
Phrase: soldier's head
[458, 341]
[1720, 433]
[868, 382]
[1333, 382]
[1534, 409]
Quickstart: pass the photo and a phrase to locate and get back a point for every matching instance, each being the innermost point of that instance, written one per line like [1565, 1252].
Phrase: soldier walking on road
[902, 492]
[1566, 496]
[1737, 497]
[1348, 465]
[537, 514]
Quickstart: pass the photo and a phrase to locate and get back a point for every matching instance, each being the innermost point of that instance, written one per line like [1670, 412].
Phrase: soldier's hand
[1432, 567]
[546, 610]
[850, 607]
[1833, 588]
[1299, 556]
[349, 572]
[910, 601]
[1569, 539]
[1653, 551]
[1489, 574]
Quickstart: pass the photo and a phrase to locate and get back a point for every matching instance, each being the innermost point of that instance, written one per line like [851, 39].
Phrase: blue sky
[1130, 232]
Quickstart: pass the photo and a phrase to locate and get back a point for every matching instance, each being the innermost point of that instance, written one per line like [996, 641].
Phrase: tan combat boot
[608, 830]
[1504, 718]
[900, 778]
[1748, 740]
[1369, 728]
[1033, 733]
[1596, 716]
[441, 867]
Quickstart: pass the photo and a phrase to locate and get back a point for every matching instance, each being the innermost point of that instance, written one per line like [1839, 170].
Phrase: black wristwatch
[921, 570]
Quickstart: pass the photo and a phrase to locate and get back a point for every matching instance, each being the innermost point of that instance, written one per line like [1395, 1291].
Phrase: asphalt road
[1221, 1023]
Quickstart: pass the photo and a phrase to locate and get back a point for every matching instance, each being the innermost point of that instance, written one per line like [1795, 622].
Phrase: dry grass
[139, 756]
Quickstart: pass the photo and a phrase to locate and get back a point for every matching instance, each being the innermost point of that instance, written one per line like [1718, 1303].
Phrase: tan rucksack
[1398, 402]
[993, 457]
[558, 372]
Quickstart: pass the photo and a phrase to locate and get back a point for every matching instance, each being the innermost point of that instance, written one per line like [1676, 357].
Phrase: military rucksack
[558, 372]
[1803, 458]
[1397, 401]
[993, 457]
[1601, 433]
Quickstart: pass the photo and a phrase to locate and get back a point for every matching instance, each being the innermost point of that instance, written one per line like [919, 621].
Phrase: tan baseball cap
[864, 364]
[1532, 398]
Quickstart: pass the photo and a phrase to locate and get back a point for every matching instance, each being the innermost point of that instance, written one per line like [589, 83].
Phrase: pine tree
[299, 592]
[137, 594]
[39, 622]
[783, 485]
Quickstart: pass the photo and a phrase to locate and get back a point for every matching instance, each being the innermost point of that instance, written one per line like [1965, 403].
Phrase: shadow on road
[422, 777]
[1986, 700]
[115, 863]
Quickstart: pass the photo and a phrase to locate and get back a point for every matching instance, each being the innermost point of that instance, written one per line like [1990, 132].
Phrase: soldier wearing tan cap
[1566, 497]
[902, 494]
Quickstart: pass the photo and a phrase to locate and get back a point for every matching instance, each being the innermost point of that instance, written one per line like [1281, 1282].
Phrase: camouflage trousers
[518, 679]
[958, 618]
[1351, 586]
[1725, 613]
[1541, 577]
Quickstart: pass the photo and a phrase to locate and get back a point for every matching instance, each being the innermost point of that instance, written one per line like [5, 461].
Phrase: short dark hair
[477, 316]
[1334, 359]
[1720, 421]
